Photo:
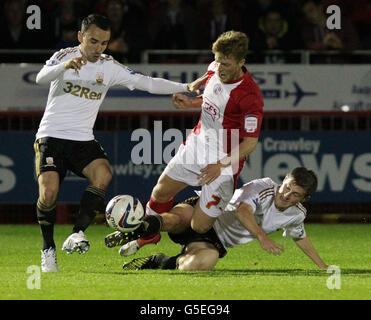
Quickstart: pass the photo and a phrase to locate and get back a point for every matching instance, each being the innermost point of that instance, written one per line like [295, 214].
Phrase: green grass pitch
[247, 272]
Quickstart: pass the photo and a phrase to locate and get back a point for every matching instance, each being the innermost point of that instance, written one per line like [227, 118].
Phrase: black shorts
[189, 235]
[60, 155]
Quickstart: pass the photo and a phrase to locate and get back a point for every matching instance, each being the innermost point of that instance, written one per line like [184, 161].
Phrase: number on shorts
[213, 203]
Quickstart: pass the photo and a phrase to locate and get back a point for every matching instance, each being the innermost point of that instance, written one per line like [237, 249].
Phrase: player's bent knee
[171, 223]
[201, 222]
[166, 188]
[105, 180]
[48, 187]
[102, 179]
[188, 263]
[99, 173]
[201, 226]
[208, 260]
[160, 194]
[48, 195]
[201, 260]
[195, 266]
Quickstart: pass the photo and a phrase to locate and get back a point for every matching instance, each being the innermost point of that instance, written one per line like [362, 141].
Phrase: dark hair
[100, 21]
[306, 179]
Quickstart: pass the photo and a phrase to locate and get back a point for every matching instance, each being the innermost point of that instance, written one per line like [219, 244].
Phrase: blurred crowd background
[139, 25]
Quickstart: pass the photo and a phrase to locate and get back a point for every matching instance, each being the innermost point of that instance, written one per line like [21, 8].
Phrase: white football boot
[132, 247]
[76, 242]
[129, 248]
[49, 260]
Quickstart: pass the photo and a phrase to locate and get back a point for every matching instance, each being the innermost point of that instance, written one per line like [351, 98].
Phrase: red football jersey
[232, 108]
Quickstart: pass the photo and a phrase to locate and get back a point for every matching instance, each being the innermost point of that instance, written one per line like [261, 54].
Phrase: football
[124, 213]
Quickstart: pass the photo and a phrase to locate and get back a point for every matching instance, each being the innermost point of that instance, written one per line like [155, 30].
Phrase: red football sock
[158, 207]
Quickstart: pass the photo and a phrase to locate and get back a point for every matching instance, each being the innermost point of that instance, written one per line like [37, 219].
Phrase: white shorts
[214, 196]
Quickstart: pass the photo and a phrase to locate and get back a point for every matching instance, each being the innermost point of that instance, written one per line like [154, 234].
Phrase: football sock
[152, 225]
[46, 216]
[92, 202]
[166, 262]
[154, 207]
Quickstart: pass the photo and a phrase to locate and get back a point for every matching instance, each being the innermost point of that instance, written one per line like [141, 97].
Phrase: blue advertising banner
[342, 161]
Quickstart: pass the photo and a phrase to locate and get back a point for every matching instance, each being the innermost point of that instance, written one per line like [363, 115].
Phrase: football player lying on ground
[256, 209]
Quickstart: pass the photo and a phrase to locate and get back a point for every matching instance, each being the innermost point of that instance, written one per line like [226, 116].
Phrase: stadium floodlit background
[317, 94]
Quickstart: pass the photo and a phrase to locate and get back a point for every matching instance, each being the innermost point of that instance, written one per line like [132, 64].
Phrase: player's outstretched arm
[245, 214]
[197, 84]
[124, 76]
[182, 101]
[164, 86]
[159, 85]
[307, 247]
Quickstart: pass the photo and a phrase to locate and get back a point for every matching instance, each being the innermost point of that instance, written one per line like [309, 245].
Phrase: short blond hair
[232, 43]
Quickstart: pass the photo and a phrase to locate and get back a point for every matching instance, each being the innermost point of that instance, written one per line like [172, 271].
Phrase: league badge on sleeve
[251, 123]
[51, 63]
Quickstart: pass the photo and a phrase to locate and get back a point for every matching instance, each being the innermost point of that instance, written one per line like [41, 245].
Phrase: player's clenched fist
[75, 63]
[181, 101]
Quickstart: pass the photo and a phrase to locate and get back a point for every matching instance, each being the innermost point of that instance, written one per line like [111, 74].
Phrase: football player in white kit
[215, 151]
[79, 79]
[256, 209]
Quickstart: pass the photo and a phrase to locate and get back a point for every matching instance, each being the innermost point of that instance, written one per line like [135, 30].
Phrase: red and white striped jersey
[234, 108]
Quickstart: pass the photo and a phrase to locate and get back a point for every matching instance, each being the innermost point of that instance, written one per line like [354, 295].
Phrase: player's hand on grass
[75, 63]
[209, 173]
[271, 246]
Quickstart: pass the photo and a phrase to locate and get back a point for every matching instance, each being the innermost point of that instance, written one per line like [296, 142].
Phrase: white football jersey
[75, 96]
[259, 194]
